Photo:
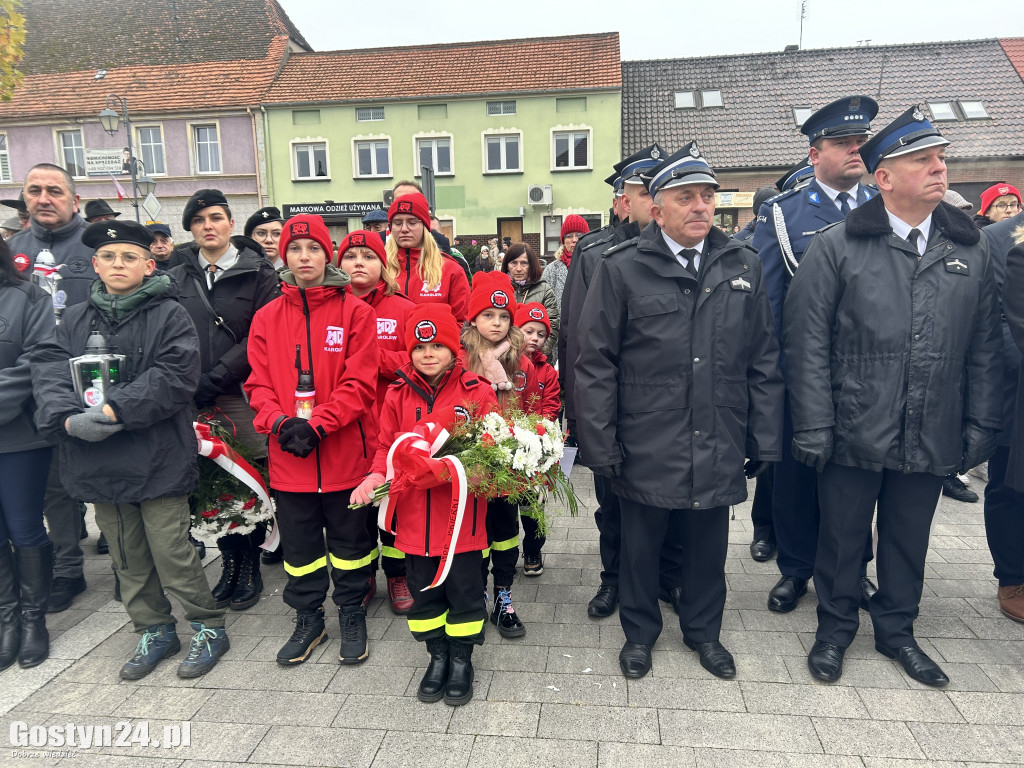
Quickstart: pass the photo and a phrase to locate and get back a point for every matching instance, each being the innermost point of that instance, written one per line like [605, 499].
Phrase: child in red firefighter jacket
[313, 352]
[450, 616]
[541, 397]
[493, 348]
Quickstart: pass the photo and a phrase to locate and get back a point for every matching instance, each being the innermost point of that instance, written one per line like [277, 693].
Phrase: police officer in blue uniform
[786, 224]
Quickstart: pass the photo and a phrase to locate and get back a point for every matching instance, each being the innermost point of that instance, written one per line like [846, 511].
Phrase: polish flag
[121, 194]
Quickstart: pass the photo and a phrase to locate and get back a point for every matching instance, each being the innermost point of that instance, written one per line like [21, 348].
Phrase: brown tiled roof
[71, 35]
[160, 88]
[1014, 48]
[756, 128]
[498, 66]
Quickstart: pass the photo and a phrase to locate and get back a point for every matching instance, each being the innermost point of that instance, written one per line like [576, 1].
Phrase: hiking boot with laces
[533, 565]
[208, 645]
[399, 594]
[225, 587]
[354, 647]
[954, 487]
[157, 642]
[250, 583]
[309, 632]
[504, 616]
[1011, 602]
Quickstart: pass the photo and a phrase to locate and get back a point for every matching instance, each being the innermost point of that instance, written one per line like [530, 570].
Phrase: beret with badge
[102, 233]
[262, 216]
[204, 198]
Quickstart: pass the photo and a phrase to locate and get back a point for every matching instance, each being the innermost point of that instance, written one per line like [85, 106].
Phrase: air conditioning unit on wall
[389, 197]
[539, 194]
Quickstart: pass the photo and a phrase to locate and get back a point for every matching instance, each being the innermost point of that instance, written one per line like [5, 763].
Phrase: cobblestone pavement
[555, 697]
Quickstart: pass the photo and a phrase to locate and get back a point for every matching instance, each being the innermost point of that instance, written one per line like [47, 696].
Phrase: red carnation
[225, 497]
[250, 503]
[233, 525]
[487, 440]
[541, 431]
[211, 513]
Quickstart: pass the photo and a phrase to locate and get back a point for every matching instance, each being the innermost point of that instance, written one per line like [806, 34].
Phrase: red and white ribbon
[225, 457]
[425, 441]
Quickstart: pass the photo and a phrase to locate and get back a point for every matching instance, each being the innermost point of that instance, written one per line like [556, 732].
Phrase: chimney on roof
[791, 48]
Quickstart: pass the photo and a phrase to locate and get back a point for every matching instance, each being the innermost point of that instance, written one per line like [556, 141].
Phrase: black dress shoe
[916, 663]
[954, 487]
[762, 551]
[714, 658]
[635, 659]
[867, 591]
[603, 603]
[826, 661]
[786, 594]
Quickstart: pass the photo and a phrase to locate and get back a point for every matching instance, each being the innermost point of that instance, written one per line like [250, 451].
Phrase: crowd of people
[689, 362]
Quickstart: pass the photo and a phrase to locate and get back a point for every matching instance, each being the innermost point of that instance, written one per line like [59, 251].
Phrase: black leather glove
[979, 445]
[611, 471]
[813, 447]
[297, 437]
[207, 392]
[753, 468]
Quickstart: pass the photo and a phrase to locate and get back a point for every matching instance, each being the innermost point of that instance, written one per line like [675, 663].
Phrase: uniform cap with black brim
[848, 116]
[910, 132]
[632, 167]
[795, 175]
[615, 182]
[682, 168]
[102, 233]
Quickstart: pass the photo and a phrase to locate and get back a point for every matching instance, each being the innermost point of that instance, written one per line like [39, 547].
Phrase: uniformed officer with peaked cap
[785, 226]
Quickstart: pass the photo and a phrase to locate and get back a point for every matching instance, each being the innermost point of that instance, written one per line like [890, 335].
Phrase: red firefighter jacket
[391, 313]
[453, 290]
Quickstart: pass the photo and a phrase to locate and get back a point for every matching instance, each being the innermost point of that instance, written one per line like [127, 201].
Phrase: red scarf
[565, 256]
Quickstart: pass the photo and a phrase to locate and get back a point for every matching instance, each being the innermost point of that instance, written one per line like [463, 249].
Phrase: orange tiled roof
[162, 88]
[498, 66]
[1014, 48]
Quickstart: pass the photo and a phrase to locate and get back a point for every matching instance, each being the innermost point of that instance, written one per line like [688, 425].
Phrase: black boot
[504, 616]
[35, 575]
[436, 677]
[10, 613]
[459, 690]
[225, 588]
[250, 583]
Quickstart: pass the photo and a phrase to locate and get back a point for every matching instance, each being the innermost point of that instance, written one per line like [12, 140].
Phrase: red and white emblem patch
[22, 262]
[536, 314]
[300, 228]
[499, 299]
[425, 331]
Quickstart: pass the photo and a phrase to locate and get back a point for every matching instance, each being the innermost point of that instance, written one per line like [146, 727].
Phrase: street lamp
[110, 120]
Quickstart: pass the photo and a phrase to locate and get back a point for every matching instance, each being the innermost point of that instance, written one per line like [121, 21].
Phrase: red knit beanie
[491, 289]
[997, 190]
[534, 312]
[305, 225]
[414, 204]
[363, 239]
[573, 223]
[430, 323]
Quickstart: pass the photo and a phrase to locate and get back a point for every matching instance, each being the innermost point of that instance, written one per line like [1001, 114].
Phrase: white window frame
[704, 98]
[501, 105]
[58, 144]
[590, 147]
[163, 148]
[981, 106]
[309, 141]
[371, 119]
[356, 140]
[5, 157]
[800, 115]
[193, 147]
[433, 136]
[951, 117]
[685, 100]
[500, 133]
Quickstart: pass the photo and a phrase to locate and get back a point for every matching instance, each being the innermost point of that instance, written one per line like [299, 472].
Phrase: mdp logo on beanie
[300, 229]
[535, 314]
[358, 239]
[404, 207]
[425, 331]
[499, 300]
[491, 290]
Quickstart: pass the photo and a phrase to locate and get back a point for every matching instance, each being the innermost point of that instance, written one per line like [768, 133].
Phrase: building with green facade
[516, 133]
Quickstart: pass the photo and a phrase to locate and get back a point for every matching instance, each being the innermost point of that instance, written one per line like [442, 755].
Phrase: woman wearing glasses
[998, 202]
[264, 227]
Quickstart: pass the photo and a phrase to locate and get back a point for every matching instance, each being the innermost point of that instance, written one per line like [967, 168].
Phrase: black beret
[204, 198]
[96, 208]
[262, 216]
[105, 232]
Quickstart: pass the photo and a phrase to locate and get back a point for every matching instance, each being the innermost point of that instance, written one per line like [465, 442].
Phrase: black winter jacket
[155, 455]
[1013, 306]
[236, 295]
[678, 378]
[65, 243]
[893, 352]
[26, 321]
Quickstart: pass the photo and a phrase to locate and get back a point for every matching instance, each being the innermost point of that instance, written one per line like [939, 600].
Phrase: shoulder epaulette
[599, 240]
[619, 247]
[829, 226]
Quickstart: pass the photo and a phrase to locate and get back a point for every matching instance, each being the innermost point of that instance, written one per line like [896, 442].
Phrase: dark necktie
[211, 275]
[912, 237]
[844, 202]
[690, 254]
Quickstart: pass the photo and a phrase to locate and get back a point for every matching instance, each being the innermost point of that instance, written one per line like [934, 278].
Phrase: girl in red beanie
[361, 255]
[313, 352]
[422, 272]
[449, 617]
[494, 349]
[554, 274]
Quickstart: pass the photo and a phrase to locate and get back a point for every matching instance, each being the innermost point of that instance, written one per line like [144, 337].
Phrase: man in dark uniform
[636, 203]
[786, 224]
[893, 360]
[677, 382]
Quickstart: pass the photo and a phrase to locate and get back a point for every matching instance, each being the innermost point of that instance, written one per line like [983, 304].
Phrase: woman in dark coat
[26, 554]
[223, 281]
[523, 267]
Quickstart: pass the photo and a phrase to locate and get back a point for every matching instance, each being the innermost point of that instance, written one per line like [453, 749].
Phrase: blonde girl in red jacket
[493, 348]
[422, 272]
[362, 256]
[449, 617]
[317, 336]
